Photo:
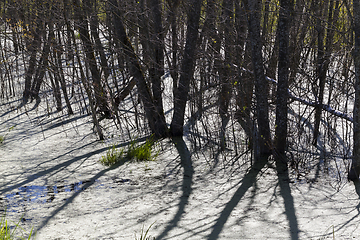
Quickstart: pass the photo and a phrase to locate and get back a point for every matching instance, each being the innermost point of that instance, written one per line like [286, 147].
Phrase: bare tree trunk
[297, 36]
[100, 95]
[355, 165]
[174, 42]
[187, 68]
[59, 70]
[32, 61]
[94, 25]
[86, 85]
[157, 69]
[282, 96]
[320, 68]
[324, 57]
[41, 69]
[244, 81]
[262, 105]
[156, 119]
[226, 71]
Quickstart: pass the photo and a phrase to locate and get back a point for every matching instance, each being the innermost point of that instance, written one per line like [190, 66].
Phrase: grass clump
[6, 233]
[135, 151]
[142, 152]
[112, 156]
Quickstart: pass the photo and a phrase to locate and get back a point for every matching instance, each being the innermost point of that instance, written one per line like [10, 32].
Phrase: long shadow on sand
[248, 181]
[70, 199]
[285, 192]
[186, 163]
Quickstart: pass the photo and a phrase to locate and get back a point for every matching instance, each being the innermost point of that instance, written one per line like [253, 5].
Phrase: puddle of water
[34, 195]
[37, 194]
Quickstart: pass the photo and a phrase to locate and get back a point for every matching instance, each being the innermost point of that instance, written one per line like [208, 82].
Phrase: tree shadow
[186, 163]
[70, 199]
[285, 192]
[248, 181]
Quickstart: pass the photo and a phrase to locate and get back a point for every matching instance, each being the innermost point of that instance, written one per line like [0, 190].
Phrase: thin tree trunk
[34, 46]
[174, 42]
[324, 61]
[100, 94]
[262, 105]
[226, 84]
[320, 68]
[187, 68]
[59, 70]
[41, 69]
[244, 81]
[286, 7]
[157, 69]
[89, 94]
[355, 165]
[54, 80]
[94, 25]
[156, 119]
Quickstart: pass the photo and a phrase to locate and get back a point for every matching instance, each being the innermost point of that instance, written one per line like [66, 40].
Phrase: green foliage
[135, 151]
[144, 235]
[6, 233]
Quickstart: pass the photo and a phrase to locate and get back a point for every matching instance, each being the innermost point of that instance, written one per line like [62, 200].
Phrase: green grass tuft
[2, 138]
[112, 156]
[135, 151]
[142, 152]
[6, 233]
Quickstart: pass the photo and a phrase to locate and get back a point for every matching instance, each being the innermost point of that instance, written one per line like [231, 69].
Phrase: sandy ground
[51, 179]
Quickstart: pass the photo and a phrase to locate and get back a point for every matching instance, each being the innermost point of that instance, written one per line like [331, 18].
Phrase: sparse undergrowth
[135, 151]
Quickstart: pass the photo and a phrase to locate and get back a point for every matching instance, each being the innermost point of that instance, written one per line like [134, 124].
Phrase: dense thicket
[266, 77]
